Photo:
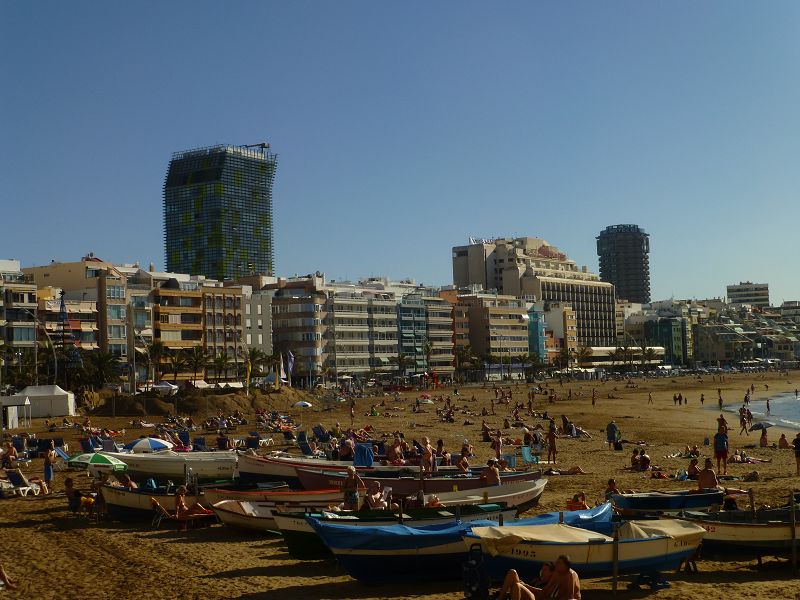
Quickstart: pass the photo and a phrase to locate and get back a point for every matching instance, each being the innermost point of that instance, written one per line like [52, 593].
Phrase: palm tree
[617, 356]
[102, 367]
[220, 365]
[583, 355]
[563, 358]
[177, 364]
[428, 349]
[536, 363]
[402, 360]
[648, 356]
[465, 359]
[256, 358]
[156, 351]
[196, 359]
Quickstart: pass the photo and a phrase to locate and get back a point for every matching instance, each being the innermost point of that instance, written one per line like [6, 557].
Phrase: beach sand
[54, 554]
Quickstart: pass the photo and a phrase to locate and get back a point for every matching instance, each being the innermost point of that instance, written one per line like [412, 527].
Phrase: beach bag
[476, 581]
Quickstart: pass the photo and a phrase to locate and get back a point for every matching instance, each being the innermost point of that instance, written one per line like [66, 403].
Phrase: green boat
[304, 543]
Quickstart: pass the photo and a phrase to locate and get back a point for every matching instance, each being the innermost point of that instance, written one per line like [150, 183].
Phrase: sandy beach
[54, 554]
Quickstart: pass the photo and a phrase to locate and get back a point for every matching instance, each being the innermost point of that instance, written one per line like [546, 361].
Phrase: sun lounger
[163, 514]
[22, 486]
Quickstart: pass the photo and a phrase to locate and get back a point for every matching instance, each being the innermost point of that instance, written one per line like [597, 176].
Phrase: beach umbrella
[97, 462]
[144, 445]
[301, 404]
[761, 425]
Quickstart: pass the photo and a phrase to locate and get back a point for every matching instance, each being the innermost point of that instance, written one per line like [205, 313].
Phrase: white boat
[173, 465]
[521, 495]
[310, 498]
[255, 516]
[644, 546]
[120, 500]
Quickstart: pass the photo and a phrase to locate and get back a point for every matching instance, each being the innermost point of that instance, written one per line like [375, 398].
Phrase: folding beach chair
[22, 486]
[163, 514]
[62, 460]
[86, 445]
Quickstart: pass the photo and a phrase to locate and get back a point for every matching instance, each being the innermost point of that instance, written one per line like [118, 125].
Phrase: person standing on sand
[720, 449]
[702, 399]
[796, 444]
[768, 410]
[551, 441]
[49, 461]
[649, 397]
[611, 434]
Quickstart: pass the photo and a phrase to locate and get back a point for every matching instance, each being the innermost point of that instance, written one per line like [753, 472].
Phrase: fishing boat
[255, 516]
[406, 484]
[522, 495]
[304, 543]
[668, 502]
[643, 547]
[282, 466]
[398, 552]
[279, 496]
[174, 465]
[747, 535]
[125, 503]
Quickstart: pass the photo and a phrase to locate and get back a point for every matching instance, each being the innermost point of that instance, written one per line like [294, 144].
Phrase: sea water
[784, 410]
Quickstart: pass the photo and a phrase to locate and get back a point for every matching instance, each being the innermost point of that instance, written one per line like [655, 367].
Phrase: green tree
[402, 360]
[102, 367]
[196, 359]
[220, 365]
[584, 355]
[157, 352]
[177, 364]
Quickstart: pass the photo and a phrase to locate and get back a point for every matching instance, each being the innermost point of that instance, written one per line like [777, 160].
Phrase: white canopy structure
[48, 401]
[12, 408]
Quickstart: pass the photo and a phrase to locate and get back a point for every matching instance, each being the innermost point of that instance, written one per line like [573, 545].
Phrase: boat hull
[656, 502]
[131, 504]
[174, 465]
[409, 486]
[288, 497]
[770, 534]
[304, 543]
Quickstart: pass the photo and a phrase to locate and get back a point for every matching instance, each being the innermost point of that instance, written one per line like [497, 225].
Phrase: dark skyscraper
[218, 211]
[624, 261]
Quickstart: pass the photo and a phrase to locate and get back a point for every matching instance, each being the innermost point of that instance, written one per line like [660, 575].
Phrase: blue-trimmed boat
[668, 502]
[398, 552]
[644, 547]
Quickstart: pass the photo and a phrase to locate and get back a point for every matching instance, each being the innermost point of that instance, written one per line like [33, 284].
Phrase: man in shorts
[796, 444]
[721, 449]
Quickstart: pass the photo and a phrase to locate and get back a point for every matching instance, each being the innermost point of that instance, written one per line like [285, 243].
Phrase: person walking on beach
[768, 410]
[551, 441]
[612, 431]
[649, 397]
[720, 449]
[49, 461]
[720, 402]
[702, 399]
[796, 444]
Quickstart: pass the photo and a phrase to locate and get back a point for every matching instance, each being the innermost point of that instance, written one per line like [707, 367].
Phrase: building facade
[624, 261]
[498, 325]
[218, 211]
[747, 292]
[18, 318]
[532, 269]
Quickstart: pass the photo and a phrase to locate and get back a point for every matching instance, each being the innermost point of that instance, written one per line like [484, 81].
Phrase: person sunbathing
[519, 590]
[491, 474]
[183, 511]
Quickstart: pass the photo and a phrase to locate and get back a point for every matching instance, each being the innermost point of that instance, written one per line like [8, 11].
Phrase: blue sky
[403, 128]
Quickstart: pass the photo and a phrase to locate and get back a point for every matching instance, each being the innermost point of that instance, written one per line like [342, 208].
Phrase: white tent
[48, 401]
[12, 408]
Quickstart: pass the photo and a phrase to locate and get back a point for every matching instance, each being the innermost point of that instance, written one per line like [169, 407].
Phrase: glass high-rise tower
[624, 261]
[218, 211]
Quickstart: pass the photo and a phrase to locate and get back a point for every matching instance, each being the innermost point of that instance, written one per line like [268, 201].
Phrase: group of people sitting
[556, 581]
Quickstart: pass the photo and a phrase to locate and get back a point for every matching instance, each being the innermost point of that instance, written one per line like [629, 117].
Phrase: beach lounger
[62, 460]
[109, 445]
[162, 514]
[86, 445]
[22, 486]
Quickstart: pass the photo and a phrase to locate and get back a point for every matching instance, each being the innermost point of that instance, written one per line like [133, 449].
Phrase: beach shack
[48, 401]
[15, 410]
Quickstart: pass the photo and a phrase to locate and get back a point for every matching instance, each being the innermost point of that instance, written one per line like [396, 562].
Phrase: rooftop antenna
[262, 145]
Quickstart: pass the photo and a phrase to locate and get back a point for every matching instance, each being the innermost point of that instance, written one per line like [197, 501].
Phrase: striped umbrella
[97, 462]
[144, 445]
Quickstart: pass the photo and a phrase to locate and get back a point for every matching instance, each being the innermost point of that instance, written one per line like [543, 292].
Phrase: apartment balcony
[364, 328]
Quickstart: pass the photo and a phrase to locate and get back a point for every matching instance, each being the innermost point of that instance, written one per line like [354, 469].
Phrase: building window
[116, 332]
[116, 312]
[116, 292]
[118, 349]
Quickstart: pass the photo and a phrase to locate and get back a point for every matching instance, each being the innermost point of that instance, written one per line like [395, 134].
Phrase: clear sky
[402, 128]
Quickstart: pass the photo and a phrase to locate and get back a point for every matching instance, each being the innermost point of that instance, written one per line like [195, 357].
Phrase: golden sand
[56, 555]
